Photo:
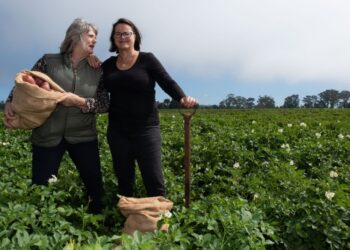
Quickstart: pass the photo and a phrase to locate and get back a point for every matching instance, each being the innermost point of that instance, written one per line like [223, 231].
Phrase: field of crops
[261, 179]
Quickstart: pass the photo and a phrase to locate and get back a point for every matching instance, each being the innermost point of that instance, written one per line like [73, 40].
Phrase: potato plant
[261, 179]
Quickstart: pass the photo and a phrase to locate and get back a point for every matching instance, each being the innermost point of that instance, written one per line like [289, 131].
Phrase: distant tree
[291, 101]
[310, 101]
[321, 104]
[344, 99]
[250, 103]
[265, 102]
[165, 104]
[2, 105]
[239, 102]
[329, 98]
[174, 104]
[228, 102]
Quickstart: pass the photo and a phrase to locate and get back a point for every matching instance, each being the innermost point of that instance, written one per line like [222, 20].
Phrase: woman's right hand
[69, 99]
[9, 115]
[188, 102]
[94, 61]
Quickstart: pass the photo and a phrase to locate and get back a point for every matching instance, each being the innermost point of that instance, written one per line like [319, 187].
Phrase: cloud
[293, 42]
[261, 41]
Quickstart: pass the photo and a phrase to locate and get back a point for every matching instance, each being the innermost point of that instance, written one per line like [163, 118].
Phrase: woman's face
[124, 37]
[89, 41]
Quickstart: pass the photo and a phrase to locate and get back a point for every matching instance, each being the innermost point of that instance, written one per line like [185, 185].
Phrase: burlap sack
[143, 214]
[32, 104]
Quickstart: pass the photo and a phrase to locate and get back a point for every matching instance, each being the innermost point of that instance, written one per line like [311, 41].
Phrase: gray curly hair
[74, 33]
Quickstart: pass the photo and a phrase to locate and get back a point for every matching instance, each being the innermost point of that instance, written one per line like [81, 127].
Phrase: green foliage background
[259, 181]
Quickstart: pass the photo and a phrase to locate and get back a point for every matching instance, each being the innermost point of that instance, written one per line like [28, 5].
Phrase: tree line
[327, 99]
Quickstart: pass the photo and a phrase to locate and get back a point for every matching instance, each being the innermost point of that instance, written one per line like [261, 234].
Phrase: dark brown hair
[134, 30]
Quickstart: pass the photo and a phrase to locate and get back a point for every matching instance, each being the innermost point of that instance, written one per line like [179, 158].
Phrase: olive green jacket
[69, 123]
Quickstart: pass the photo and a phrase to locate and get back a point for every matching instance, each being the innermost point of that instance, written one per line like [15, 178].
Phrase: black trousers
[141, 145]
[85, 156]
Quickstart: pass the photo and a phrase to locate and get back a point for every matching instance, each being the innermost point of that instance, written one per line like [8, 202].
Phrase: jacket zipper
[74, 79]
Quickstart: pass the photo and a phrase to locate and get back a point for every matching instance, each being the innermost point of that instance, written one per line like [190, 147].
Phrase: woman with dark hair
[133, 130]
[69, 128]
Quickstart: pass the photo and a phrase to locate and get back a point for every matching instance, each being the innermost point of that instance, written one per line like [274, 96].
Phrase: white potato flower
[318, 135]
[341, 136]
[303, 124]
[333, 174]
[52, 179]
[329, 195]
[168, 214]
[236, 165]
[286, 147]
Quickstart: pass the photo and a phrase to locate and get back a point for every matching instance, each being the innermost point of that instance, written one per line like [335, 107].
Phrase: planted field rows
[261, 179]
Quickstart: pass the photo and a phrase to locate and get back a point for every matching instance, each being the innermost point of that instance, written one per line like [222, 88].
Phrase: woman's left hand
[9, 115]
[188, 102]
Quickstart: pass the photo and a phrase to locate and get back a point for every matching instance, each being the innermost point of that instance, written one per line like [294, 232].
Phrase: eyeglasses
[123, 34]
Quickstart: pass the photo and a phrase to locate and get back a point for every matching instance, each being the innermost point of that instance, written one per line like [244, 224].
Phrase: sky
[248, 48]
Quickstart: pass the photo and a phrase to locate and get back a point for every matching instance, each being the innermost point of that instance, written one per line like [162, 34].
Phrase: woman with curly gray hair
[69, 128]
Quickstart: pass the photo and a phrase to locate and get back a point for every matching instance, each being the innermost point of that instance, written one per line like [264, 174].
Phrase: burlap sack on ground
[32, 104]
[143, 214]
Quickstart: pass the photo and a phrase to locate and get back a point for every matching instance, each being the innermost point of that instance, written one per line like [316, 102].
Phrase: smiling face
[124, 37]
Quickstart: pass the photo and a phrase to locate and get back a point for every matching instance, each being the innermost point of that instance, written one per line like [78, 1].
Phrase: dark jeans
[141, 145]
[85, 156]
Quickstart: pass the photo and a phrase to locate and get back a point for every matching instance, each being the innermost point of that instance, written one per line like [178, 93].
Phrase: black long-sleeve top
[132, 91]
